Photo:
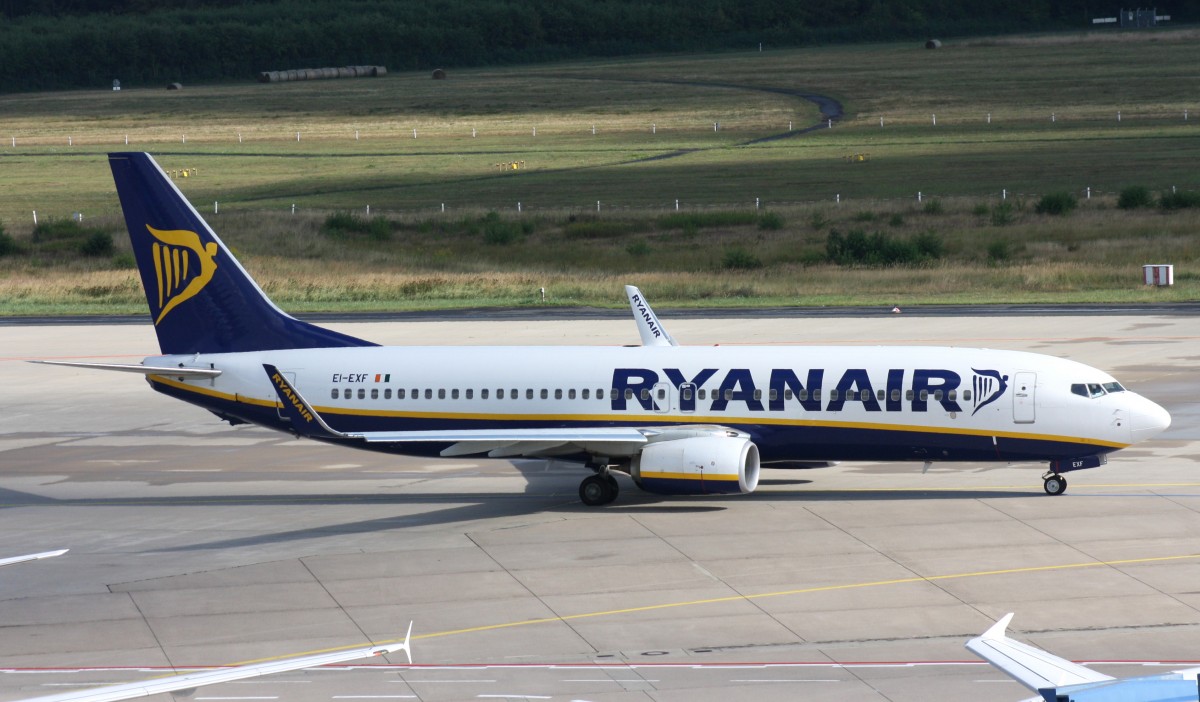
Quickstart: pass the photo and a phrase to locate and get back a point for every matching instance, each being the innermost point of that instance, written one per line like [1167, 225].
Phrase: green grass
[598, 210]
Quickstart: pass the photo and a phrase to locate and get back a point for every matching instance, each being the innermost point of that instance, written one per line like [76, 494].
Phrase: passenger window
[937, 395]
[702, 393]
[585, 393]
[334, 393]
[545, 393]
[469, 393]
[374, 393]
[833, 395]
[600, 393]
[757, 394]
[571, 394]
[816, 394]
[662, 394]
[686, 394]
[880, 395]
[967, 395]
[628, 393]
[514, 395]
[865, 395]
[952, 395]
[428, 393]
[528, 393]
[803, 395]
[441, 393]
[362, 393]
[399, 393]
[728, 395]
[895, 394]
[645, 394]
[454, 394]
[558, 393]
[924, 395]
[787, 394]
[483, 394]
[908, 395]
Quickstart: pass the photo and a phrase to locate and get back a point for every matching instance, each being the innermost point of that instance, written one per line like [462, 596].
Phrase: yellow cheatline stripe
[760, 596]
[649, 418]
[690, 476]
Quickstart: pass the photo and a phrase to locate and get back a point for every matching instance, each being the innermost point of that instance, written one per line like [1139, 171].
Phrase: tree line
[53, 44]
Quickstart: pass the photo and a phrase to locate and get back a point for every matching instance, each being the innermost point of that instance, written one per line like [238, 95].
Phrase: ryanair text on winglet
[286, 390]
[645, 313]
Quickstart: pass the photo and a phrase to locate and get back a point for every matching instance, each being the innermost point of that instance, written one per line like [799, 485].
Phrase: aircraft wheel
[612, 485]
[595, 490]
[1055, 485]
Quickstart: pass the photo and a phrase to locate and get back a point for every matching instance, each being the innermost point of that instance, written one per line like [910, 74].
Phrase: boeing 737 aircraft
[677, 419]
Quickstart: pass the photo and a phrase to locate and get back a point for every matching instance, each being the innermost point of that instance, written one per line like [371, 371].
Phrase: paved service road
[194, 543]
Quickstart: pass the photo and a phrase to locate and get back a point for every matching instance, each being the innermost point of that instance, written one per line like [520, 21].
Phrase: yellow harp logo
[182, 266]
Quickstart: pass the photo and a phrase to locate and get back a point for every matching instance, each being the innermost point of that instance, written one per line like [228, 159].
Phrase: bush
[740, 259]
[999, 251]
[860, 249]
[1059, 204]
[596, 229]
[500, 232]
[638, 248]
[934, 207]
[1179, 200]
[772, 221]
[8, 245]
[1003, 214]
[693, 221]
[342, 224]
[897, 220]
[864, 216]
[1135, 196]
[818, 221]
[981, 210]
[97, 244]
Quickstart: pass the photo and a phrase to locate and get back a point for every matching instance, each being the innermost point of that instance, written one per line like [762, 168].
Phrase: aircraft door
[687, 397]
[662, 397]
[1024, 397]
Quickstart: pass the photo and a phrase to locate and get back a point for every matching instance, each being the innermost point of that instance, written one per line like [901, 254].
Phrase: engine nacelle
[702, 465]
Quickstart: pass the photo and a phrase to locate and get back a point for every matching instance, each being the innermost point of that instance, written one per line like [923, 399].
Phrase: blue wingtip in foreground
[182, 260]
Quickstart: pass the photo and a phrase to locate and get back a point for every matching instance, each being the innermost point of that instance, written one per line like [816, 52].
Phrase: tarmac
[193, 543]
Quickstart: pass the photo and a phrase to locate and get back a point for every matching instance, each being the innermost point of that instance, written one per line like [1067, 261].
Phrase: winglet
[1032, 667]
[32, 557]
[649, 328]
[405, 646]
[305, 420]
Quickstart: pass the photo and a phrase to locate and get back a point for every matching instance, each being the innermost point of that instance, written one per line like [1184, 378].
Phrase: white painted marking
[374, 697]
[237, 698]
[444, 681]
[515, 697]
[615, 680]
[783, 680]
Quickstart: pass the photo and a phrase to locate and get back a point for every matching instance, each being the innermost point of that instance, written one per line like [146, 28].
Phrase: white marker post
[126, 140]
[518, 206]
[535, 131]
[989, 118]
[935, 120]
[414, 133]
[368, 210]
[654, 129]
[297, 136]
[239, 137]
[1089, 192]
[35, 218]
[918, 196]
[183, 139]
[216, 207]
[756, 203]
[597, 205]
[293, 208]
[356, 135]
[443, 208]
[593, 130]
[676, 204]
[472, 132]
[70, 141]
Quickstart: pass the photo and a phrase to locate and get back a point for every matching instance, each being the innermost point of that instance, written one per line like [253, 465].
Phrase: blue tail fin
[200, 297]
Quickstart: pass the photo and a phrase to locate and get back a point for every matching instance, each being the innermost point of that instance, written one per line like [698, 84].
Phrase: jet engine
[701, 465]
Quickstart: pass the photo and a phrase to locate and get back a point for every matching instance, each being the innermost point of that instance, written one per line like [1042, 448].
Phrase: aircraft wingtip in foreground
[1059, 680]
[676, 419]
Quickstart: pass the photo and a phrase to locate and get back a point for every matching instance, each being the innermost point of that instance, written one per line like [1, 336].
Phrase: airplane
[1059, 680]
[679, 420]
[190, 681]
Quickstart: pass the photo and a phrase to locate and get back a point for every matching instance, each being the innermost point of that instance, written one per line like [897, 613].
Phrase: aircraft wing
[497, 443]
[1032, 667]
[31, 557]
[188, 681]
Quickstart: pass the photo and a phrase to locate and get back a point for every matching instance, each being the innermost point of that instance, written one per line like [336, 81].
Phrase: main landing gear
[599, 489]
[1054, 484]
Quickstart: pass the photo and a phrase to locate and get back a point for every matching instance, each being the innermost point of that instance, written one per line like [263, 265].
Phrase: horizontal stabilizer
[189, 681]
[1032, 667]
[174, 372]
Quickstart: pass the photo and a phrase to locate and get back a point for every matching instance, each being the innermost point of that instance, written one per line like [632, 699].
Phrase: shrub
[999, 251]
[596, 229]
[865, 216]
[770, 221]
[97, 244]
[500, 232]
[897, 220]
[934, 207]
[1059, 204]
[818, 221]
[638, 248]
[878, 249]
[1003, 214]
[8, 245]
[56, 230]
[1179, 200]
[342, 224]
[740, 259]
[1135, 196]
[981, 210]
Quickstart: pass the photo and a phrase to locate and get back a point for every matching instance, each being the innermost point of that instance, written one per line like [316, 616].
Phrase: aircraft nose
[1147, 420]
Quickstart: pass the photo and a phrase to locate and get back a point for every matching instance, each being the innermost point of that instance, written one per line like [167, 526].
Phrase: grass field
[1052, 101]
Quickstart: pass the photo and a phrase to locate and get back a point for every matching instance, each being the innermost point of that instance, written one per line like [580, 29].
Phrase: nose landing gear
[1054, 484]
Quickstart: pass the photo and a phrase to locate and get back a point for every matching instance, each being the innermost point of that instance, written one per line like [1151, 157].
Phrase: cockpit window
[1089, 389]
[1114, 387]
